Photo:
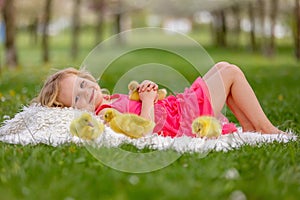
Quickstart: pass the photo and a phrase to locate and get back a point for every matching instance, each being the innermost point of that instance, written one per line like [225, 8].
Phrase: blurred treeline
[262, 21]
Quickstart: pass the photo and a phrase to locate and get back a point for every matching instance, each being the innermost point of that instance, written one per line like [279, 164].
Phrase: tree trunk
[262, 15]
[220, 28]
[100, 22]
[297, 35]
[215, 27]
[273, 17]
[118, 24]
[2, 37]
[252, 27]
[223, 29]
[45, 31]
[10, 29]
[118, 28]
[32, 28]
[237, 25]
[75, 28]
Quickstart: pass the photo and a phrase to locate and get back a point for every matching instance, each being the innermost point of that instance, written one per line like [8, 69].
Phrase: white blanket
[37, 124]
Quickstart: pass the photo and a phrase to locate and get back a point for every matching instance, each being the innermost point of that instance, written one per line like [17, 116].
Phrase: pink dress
[174, 114]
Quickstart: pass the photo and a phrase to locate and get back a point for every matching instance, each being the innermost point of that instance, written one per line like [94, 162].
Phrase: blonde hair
[50, 91]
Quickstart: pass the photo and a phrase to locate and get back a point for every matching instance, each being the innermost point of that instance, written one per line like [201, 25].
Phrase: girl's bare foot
[272, 130]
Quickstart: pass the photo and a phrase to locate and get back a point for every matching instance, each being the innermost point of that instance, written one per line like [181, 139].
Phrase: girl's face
[80, 93]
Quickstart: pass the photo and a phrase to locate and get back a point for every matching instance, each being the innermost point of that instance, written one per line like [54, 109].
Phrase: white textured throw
[37, 124]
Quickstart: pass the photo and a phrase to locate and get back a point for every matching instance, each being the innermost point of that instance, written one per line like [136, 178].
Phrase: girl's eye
[76, 99]
[82, 84]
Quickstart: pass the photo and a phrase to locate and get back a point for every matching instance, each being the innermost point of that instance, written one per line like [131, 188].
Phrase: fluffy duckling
[86, 127]
[206, 126]
[134, 94]
[131, 125]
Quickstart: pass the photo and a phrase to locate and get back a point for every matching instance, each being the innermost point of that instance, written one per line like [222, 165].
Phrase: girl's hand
[148, 96]
[147, 85]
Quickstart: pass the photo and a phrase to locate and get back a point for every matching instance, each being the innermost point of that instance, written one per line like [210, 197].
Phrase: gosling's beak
[90, 124]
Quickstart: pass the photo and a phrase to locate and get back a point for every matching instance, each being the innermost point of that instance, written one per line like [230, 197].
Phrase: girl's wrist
[147, 110]
[148, 101]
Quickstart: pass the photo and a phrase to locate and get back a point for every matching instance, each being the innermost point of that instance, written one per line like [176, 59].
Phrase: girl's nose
[83, 92]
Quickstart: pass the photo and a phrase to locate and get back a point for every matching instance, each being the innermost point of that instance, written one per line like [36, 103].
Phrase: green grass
[270, 171]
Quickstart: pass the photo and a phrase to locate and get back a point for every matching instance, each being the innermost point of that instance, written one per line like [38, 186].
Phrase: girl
[223, 83]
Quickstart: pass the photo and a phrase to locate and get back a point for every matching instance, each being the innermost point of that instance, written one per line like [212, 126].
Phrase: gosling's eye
[82, 84]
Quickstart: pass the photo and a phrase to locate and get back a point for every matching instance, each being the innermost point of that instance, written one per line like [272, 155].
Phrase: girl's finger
[151, 86]
[147, 85]
[142, 88]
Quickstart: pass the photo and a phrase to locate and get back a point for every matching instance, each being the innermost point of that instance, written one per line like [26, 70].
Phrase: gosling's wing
[123, 123]
[139, 120]
[213, 127]
[217, 128]
[132, 125]
[144, 126]
[116, 125]
[73, 127]
[86, 133]
[98, 128]
[98, 124]
[135, 131]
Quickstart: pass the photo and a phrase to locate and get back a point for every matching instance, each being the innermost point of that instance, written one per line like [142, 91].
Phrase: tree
[236, 11]
[119, 9]
[100, 21]
[8, 11]
[252, 26]
[45, 31]
[297, 35]
[33, 29]
[99, 8]
[273, 17]
[1, 26]
[261, 16]
[75, 28]
[220, 28]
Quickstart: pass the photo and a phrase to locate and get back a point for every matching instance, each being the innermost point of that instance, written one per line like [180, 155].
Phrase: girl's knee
[236, 70]
[221, 65]
[228, 69]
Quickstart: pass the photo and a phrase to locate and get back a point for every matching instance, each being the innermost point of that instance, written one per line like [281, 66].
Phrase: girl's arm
[148, 99]
[148, 94]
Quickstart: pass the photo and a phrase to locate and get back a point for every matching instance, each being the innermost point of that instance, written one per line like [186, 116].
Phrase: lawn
[270, 171]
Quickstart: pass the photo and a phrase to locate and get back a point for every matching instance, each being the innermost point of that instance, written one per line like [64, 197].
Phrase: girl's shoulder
[99, 109]
[115, 97]
[110, 102]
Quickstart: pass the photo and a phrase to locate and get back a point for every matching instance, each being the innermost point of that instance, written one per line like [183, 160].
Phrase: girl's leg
[227, 83]
[241, 117]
